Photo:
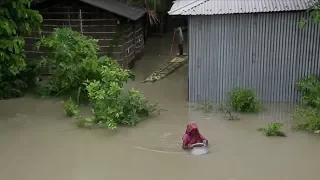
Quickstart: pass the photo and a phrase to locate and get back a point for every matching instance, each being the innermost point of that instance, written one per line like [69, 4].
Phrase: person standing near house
[179, 36]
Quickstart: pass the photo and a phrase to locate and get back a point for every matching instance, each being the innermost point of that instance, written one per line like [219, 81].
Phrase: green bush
[310, 89]
[70, 108]
[307, 117]
[243, 100]
[74, 59]
[110, 106]
[77, 70]
[273, 129]
[84, 122]
[15, 85]
[135, 108]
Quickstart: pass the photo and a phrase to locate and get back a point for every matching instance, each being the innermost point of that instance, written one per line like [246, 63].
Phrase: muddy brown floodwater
[39, 143]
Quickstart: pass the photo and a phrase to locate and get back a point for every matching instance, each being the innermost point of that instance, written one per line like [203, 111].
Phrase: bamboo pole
[80, 18]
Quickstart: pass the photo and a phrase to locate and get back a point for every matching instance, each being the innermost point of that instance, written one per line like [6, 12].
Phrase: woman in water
[192, 136]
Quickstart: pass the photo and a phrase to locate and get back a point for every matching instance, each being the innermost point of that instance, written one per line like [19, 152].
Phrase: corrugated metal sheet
[211, 7]
[179, 5]
[266, 52]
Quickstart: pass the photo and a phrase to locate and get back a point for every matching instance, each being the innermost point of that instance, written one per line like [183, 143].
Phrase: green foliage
[310, 89]
[307, 117]
[80, 72]
[70, 108]
[135, 108]
[110, 106]
[84, 122]
[206, 107]
[273, 129]
[314, 8]
[315, 14]
[74, 59]
[226, 108]
[15, 85]
[16, 19]
[243, 100]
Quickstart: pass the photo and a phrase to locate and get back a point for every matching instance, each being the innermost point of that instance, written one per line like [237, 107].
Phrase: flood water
[39, 143]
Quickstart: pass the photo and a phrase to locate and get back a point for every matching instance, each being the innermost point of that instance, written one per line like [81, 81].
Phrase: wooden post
[80, 18]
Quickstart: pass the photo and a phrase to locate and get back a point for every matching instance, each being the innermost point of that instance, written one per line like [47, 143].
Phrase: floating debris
[169, 67]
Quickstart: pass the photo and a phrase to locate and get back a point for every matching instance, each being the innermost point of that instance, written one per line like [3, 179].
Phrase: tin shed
[117, 26]
[254, 44]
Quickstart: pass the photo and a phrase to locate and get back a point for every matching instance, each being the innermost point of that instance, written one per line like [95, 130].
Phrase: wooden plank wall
[133, 42]
[98, 24]
[139, 38]
[128, 45]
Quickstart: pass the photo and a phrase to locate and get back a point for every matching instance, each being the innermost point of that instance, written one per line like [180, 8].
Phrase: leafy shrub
[74, 59]
[226, 108]
[135, 108]
[84, 122]
[307, 117]
[243, 100]
[273, 129]
[70, 108]
[77, 70]
[110, 106]
[15, 85]
[206, 107]
[310, 89]
[16, 19]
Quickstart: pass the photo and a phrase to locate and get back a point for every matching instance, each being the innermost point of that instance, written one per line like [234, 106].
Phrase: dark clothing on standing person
[180, 47]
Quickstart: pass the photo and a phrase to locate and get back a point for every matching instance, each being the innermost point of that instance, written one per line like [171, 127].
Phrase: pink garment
[192, 138]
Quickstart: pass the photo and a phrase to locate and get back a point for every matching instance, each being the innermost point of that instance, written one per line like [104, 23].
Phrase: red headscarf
[196, 137]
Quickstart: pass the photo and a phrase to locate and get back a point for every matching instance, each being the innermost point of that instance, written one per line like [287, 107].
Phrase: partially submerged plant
[80, 72]
[273, 129]
[244, 100]
[84, 122]
[226, 109]
[307, 119]
[206, 107]
[70, 108]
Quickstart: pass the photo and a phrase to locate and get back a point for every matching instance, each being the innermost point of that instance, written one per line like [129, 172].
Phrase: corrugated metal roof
[211, 7]
[116, 7]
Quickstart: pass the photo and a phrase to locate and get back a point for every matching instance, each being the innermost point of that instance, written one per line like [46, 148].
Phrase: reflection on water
[38, 142]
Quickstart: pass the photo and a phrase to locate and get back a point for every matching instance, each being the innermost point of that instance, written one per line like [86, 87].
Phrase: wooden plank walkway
[167, 69]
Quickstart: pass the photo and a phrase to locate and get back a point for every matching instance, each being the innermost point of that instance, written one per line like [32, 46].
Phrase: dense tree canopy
[16, 18]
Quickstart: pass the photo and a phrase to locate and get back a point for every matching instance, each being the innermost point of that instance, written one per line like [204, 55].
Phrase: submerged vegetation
[307, 117]
[77, 71]
[273, 129]
[70, 108]
[227, 110]
[239, 100]
[81, 73]
[243, 100]
[206, 107]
